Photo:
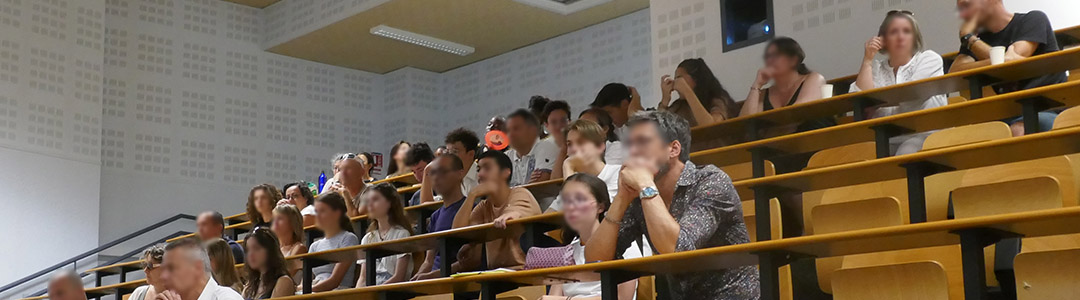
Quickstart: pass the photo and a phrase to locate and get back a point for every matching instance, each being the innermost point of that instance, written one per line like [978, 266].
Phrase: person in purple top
[447, 172]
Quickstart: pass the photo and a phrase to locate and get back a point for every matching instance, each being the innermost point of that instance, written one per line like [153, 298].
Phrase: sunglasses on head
[900, 11]
[347, 156]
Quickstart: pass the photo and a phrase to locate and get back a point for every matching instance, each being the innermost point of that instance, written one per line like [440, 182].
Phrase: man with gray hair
[187, 274]
[685, 207]
[66, 285]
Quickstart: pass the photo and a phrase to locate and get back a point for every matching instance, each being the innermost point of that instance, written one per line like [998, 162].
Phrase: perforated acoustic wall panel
[196, 113]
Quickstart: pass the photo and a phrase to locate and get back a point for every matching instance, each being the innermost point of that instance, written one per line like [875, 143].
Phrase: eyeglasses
[150, 267]
[900, 11]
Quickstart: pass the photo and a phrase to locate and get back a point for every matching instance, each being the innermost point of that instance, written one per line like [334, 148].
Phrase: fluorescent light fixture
[422, 40]
[563, 7]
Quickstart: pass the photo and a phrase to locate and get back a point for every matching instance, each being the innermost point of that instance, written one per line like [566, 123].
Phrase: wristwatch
[648, 192]
[966, 40]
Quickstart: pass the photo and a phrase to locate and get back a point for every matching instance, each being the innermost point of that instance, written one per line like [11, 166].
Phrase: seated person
[260, 205]
[368, 160]
[267, 272]
[678, 206]
[337, 230]
[353, 174]
[290, 236]
[210, 225]
[386, 215]
[463, 143]
[533, 158]
[702, 99]
[987, 24]
[299, 195]
[613, 152]
[151, 263]
[223, 265]
[186, 276]
[619, 101]
[397, 166]
[496, 202]
[66, 285]
[586, 146]
[443, 176]
[585, 200]
[900, 39]
[417, 160]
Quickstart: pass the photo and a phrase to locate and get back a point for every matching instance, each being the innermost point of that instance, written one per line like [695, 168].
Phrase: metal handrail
[95, 250]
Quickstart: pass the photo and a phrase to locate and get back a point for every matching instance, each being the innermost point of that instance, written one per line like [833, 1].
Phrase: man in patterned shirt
[678, 206]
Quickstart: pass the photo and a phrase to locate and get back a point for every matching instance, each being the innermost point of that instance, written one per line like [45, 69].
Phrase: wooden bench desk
[971, 234]
[407, 178]
[909, 91]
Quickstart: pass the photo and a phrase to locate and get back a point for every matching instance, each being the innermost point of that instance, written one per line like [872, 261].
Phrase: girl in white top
[585, 145]
[386, 213]
[585, 199]
[904, 60]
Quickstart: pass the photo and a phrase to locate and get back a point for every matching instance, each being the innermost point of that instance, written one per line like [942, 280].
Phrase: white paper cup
[826, 91]
[997, 55]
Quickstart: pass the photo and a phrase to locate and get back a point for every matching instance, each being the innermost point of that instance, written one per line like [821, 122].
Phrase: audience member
[444, 177]
[368, 161]
[555, 118]
[463, 143]
[397, 166]
[387, 219]
[334, 182]
[151, 263]
[585, 199]
[417, 159]
[586, 145]
[533, 159]
[496, 124]
[266, 269]
[299, 195]
[619, 101]
[331, 218]
[900, 39]
[187, 274]
[536, 107]
[66, 285]
[987, 24]
[687, 208]
[702, 99]
[615, 152]
[353, 174]
[223, 265]
[210, 225]
[495, 202]
[260, 204]
[290, 235]
[791, 81]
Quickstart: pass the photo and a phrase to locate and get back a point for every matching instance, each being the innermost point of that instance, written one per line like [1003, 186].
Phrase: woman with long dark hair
[387, 222]
[702, 99]
[585, 200]
[397, 164]
[260, 204]
[331, 219]
[792, 82]
[368, 160]
[267, 274]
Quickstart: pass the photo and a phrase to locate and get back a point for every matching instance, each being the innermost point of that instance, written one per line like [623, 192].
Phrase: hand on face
[763, 76]
[484, 189]
[667, 85]
[970, 25]
[872, 46]
[578, 160]
[636, 174]
[683, 87]
[168, 295]
[285, 202]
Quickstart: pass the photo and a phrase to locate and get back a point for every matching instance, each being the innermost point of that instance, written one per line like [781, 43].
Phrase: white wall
[1062, 13]
[50, 104]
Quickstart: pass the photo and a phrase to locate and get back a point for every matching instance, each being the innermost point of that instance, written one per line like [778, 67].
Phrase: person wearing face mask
[586, 145]
[702, 99]
[791, 81]
[904, 60]
[585, 202]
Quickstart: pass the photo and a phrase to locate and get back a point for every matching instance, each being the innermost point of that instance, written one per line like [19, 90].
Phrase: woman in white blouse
[903, 60]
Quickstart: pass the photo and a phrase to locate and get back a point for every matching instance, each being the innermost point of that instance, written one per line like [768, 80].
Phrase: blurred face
[557, 121]
[778, 62]
[281, 226]
[578, 145]
[364, 163]
[294, 195]
[378, 206]
[263, 203]
[65, 289]
[255, 254]
[619, 114]
[592, 117]
[521, 133]
[181, 271]
[968, 9]
[418, 170]
[153, 272]
[401, 151]
[488, 169]
[681, 73]
[458, 149]
[208, 228]
[900, 37]
[579, 207]
[325, 216]
[446, 178]
[352, 172]
[646, 143]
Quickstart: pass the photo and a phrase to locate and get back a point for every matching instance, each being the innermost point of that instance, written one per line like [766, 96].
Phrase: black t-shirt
[1032, 27]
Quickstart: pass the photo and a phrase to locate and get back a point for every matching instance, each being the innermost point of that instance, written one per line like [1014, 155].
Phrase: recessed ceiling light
[422, 40]
[564, 7]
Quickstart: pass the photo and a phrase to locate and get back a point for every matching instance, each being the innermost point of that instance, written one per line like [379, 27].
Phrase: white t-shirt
[609, 174]
[384, 267]
[308, 210]
[540, 157]
[213, 291]
[343, 239]
[592, 288]
[615, 153]
[923, 65]
[470, 181]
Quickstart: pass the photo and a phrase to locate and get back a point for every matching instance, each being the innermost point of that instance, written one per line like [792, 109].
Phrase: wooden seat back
[1047, 274]
[1068, 118]
[831, 157]
[833, 217]
[746, 170]
[925, 280]
[1035, 193]
[967, 135]
[750, 218]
